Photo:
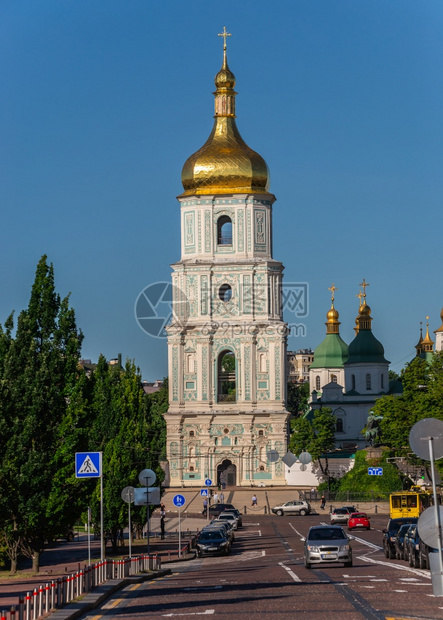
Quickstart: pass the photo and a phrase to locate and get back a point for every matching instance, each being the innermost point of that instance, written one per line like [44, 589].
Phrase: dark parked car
[399, 542]
[212, 542]
[411, 546]
[390, 534]
[216, 509]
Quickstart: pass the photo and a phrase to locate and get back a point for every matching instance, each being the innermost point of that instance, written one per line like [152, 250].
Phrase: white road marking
[378, 579]
[263, 552]
[360, 576]
[368, 587]
[296, 531]
[400, 590]
[368, 544]
[289, 571]
[208, 612]
[408, 579]
[415, 571]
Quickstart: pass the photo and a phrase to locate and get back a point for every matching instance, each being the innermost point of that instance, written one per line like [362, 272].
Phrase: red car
[359, 520]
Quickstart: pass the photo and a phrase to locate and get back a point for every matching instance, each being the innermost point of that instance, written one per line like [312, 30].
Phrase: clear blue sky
[102, 102]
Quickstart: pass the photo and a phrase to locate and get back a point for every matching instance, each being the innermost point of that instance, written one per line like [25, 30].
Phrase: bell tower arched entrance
[227, 473]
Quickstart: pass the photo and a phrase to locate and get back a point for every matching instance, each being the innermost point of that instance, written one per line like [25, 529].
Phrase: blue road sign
[204, 492]
[88, 464]
[208, 482]
[375, 471]
[179, 501]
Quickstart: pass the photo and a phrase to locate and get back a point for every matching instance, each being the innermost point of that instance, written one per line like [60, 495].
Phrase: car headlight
[345, 548]
[313, 548]
[393, 538]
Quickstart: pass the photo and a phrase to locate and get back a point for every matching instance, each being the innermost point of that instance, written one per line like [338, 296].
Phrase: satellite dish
[305, 458]
[273, 456]
[127, 495]
[419, 438]
[427, 526]
[147, 477]
[303, 467]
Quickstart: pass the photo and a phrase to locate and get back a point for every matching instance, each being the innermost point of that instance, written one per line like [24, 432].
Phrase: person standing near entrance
[162, 521]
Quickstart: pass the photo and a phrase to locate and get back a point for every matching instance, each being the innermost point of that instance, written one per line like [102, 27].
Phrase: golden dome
[427, 339]
[225, 164]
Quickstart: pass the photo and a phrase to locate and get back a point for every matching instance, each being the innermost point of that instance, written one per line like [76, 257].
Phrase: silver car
[327, 544]
[294, 507]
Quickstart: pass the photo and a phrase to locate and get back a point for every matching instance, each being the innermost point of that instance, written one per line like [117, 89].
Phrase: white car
[294, 507]
[228, 518]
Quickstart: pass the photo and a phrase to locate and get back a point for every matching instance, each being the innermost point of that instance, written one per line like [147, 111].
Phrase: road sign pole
[102, 534]
[130, 530]
[179, 533]
[437, 508]
[147, 513]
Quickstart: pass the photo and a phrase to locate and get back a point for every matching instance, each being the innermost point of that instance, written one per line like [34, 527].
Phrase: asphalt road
[265, 577]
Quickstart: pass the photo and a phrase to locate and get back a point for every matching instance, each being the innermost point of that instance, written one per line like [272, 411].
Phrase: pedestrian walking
[323, 502]
[216, 498]
[222, 498]
[162, 521]
[205, 507]
[254, 500]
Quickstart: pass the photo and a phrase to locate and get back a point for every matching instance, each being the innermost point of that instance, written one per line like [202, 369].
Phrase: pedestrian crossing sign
[88, 464]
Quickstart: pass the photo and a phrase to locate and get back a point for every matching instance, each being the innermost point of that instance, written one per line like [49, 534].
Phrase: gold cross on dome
[364, 284]
[224, 34]
[361, 296]
[332, 289]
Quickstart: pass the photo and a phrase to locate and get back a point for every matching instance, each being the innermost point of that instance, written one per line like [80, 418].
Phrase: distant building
[425, 346]
[297, 365]
[151, 388]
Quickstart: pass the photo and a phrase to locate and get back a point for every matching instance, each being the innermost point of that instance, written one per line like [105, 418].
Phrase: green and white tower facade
[227, 338]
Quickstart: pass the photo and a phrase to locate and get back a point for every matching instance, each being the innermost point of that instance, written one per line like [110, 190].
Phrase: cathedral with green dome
[349, 378]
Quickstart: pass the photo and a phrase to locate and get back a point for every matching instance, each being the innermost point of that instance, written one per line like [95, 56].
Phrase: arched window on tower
[334, 378]
[382, 381]
[226, 377]
[224, 230]
[368, 381]
[317, 383]
[339, 425]
[353, 381]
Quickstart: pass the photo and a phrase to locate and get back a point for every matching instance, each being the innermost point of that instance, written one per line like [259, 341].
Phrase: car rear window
[340, 511]
[359, 515]
[326, 534]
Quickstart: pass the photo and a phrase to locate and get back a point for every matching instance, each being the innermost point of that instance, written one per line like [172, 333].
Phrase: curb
[101, 594]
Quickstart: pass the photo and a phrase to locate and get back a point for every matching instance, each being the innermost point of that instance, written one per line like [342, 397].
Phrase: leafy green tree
[358, 484]
[38, 374]
[297, 398]
[316, 436]
[422, 398]
[128, 430]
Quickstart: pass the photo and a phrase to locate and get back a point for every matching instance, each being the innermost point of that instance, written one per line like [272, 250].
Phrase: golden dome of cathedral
[225, 164]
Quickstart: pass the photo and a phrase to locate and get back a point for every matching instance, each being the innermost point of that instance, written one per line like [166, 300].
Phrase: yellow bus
[408, 503]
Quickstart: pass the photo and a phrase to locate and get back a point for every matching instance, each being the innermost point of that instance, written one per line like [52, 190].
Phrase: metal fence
[62, 591]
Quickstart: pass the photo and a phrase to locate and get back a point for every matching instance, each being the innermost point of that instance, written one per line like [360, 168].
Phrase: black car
[216, 509]
[390, 534]
[212, 542]
[237, 513]
[399, 542]
[411, 546]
